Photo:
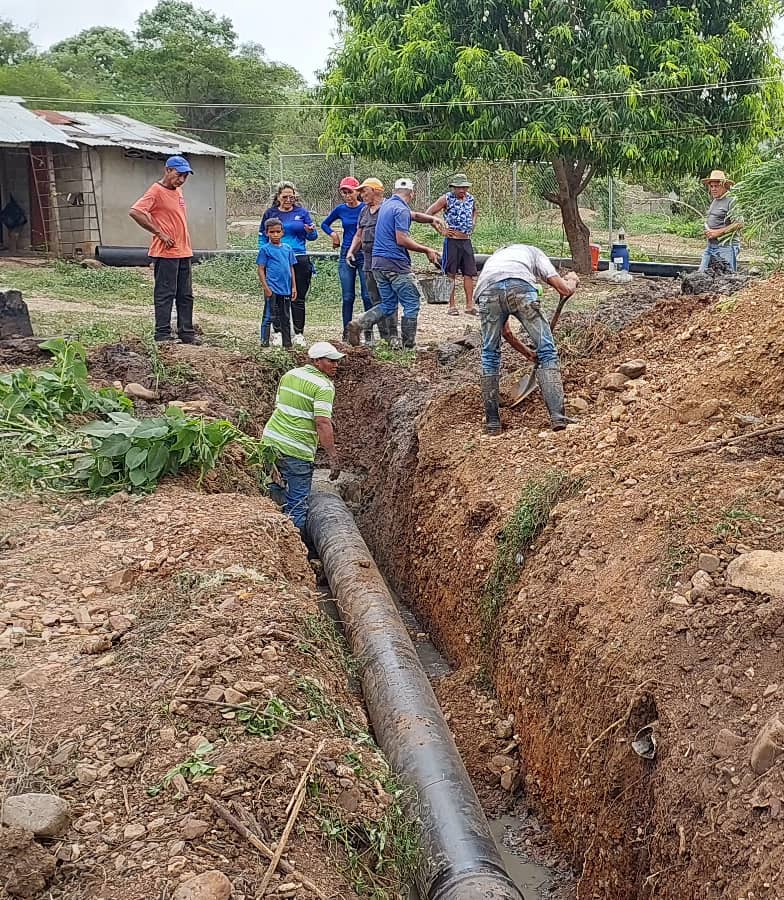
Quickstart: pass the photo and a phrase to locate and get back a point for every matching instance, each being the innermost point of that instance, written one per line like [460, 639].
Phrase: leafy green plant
[136, 453]
[53, 394]
[195, 766]
[267, 722]
[538, 497]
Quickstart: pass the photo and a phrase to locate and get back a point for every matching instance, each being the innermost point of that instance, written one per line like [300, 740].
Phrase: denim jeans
[398, 287]
[348, 286]
[294, 496]
[514, 297]
[727, 252]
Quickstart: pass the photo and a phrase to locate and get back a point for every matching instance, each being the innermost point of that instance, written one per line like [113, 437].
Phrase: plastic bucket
[595, 251]
[435, 288]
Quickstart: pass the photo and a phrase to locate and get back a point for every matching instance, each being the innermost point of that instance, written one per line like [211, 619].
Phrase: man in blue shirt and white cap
[392, 266]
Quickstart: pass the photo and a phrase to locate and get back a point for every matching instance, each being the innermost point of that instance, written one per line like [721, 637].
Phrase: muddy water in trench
[534, 881]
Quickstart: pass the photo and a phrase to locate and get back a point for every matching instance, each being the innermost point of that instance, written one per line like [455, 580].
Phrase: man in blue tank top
[459, 208]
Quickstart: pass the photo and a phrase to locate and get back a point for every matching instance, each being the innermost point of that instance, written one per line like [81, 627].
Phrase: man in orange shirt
[161, 211]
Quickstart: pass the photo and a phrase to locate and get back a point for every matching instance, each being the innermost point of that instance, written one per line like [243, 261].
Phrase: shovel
[527, 384]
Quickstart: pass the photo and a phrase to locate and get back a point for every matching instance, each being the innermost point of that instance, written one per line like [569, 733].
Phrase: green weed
[381, 853]
[733, 519]
[538, 497]
[267, 722]
[319, 706]
[195, 766]
[320, 632]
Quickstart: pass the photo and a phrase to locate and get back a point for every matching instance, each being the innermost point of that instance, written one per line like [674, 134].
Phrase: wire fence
[507, 193]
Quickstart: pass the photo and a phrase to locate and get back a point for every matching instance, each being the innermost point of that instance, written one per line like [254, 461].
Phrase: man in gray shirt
[722, 228]
[507, 287]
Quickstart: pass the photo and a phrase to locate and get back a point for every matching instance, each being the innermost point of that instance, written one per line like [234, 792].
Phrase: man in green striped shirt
[301, 420]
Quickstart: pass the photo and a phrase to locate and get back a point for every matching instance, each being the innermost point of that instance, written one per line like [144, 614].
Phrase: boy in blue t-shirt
[276, 262]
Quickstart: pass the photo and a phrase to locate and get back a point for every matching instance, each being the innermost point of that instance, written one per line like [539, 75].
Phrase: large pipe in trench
[460, 857]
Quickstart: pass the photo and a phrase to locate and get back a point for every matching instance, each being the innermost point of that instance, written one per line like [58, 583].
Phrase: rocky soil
[158, 655]
[639, 653]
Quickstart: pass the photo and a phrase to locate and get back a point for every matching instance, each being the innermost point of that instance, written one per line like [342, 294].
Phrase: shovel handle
[557, 314]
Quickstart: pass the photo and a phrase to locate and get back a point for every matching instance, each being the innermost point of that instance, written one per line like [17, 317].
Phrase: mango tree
[592, 87]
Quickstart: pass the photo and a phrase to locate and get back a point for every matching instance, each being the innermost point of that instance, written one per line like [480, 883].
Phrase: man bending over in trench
[507, 286]
[301, 420]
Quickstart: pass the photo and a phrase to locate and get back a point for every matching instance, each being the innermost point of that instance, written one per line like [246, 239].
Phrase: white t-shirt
[521, 261]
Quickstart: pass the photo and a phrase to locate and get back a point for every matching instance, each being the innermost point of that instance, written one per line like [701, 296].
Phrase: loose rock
[212, 885]
[138, 392]
[633, 368]
[614, 382]
[760, 571]
[46, 815]
[768, 745]
[709, 563]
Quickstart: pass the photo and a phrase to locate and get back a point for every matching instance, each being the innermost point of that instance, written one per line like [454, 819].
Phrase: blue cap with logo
[180, 164]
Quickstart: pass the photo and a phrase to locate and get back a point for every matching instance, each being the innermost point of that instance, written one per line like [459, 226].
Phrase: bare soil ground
[613, 625]
[127, 624]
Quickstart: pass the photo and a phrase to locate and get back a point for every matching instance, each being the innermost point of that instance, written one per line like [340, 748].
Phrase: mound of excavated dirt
[131, 629]
[624, 615]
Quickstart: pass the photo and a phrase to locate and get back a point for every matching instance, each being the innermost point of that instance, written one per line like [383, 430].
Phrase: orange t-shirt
[166, 207]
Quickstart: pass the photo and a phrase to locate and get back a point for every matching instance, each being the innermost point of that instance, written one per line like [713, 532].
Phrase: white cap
[404, 184]
[324, 350]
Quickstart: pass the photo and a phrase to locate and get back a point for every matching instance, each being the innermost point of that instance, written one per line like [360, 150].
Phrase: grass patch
[320, 632]
[89, 330]
[537, 498]
[69, 281]
[734, 521]
[382, 853]
[386, 354]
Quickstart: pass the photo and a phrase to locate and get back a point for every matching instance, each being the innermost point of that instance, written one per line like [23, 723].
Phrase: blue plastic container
[619, 253]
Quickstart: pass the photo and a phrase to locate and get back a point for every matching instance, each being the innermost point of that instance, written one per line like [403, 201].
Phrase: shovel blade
[525, 387]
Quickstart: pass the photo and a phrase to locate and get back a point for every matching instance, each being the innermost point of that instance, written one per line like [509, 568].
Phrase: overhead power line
[512, 101]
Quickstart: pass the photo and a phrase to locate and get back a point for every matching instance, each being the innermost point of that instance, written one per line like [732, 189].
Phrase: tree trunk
[573, 177]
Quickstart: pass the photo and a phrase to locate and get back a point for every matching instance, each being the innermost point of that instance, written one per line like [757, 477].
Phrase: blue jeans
[348, 286]
[514, 297]
[727, 252]
[294, 496]
[398, 287]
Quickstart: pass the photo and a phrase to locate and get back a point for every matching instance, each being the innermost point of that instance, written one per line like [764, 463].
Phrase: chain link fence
[508, 195]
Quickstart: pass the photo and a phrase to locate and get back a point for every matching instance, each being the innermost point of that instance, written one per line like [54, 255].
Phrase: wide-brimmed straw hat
[718, 175]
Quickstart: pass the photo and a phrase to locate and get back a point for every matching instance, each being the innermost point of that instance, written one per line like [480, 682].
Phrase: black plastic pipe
[137, 256]
[460, 857]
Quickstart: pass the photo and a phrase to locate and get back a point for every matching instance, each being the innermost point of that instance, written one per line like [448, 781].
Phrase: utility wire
[426, 104]
[690, 129]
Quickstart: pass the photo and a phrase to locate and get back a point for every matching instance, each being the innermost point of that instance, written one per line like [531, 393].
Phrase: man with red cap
[348, 213]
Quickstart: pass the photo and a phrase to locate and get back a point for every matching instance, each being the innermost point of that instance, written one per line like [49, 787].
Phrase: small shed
[75, 175]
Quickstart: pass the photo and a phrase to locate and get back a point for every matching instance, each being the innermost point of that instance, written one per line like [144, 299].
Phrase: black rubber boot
[345, 335]
[551, 386]
[367, 320]
[392, 335]
[408, 330]
[265, 335]
[369, 342]
[490, 396]
[383, 328]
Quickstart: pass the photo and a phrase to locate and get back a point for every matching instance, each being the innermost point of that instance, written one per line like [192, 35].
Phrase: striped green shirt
[303, 394]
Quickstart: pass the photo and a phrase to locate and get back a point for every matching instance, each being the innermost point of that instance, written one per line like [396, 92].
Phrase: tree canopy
[593, 87]
[182, 67]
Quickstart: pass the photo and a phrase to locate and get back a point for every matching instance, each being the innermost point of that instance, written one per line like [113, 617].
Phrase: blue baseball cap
[180, 164]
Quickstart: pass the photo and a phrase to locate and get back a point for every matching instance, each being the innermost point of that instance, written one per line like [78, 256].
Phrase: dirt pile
[624, 614]
[161, 654]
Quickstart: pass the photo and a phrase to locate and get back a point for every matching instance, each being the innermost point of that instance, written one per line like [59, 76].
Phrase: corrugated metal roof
[109, 130]
[20, 127]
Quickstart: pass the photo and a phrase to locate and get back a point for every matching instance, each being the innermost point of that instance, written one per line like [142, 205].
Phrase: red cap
[349, 182]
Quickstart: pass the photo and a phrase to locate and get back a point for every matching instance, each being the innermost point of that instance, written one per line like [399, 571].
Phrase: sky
[297, 32]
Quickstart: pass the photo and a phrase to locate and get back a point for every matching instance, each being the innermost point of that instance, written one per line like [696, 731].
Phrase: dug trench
[581, 583]
[592, 580]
